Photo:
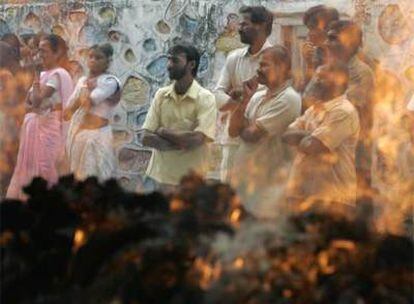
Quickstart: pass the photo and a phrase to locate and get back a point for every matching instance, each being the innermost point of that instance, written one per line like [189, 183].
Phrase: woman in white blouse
[89, 146]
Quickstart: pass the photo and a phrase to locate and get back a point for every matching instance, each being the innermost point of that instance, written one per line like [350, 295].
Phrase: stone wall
[388, 26]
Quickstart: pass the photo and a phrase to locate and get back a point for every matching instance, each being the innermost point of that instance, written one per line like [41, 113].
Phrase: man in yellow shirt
[180, 122]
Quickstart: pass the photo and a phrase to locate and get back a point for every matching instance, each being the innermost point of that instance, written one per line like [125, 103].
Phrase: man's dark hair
[352, 30]
[318, 13]
[281, 55]
[191, 53]
[259, 14]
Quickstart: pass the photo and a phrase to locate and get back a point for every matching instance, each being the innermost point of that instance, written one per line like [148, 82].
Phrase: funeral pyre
[84, 242]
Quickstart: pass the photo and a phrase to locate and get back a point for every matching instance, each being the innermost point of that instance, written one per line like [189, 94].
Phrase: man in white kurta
[241, 65]
[262, 159]
[323, 174]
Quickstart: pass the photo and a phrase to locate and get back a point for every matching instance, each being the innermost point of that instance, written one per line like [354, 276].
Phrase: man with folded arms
[326, 135]
[180, 122]
[241, 65]
[260, 120]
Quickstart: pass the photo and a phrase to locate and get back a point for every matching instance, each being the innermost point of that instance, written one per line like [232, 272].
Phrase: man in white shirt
[260, 120]
[323, 174]
[343, 44]
[241, 65]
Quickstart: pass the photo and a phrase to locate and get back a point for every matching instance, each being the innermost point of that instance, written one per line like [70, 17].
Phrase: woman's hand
[84, 101]
[36, 81]
[91, 84]
[35, 96]
[67, 114]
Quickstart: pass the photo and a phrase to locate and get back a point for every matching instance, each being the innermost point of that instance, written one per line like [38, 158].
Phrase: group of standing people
[65, 128]
[305, 143]
[301, 142]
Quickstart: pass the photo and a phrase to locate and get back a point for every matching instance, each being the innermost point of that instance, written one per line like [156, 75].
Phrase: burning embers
[91, 243]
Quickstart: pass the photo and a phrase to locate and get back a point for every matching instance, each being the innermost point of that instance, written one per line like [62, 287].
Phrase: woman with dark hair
[89, 147]
[42, 135]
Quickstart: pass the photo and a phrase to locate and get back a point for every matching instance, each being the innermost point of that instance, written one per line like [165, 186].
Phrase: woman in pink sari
[43, 133]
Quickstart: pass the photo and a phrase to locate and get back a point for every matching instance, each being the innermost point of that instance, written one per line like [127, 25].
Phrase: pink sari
[42, 140]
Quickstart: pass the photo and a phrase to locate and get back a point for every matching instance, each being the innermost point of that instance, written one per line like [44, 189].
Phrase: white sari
[91, 152]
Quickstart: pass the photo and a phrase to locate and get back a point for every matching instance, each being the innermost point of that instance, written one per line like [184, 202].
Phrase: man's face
[338, 46]
[323, 86]
[247, 29]
[269, 71]
[316, 36]
[177, 66]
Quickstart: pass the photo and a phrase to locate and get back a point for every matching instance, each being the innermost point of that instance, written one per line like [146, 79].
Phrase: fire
[287, 293]
[177, 205]
[344, 244]
[239, 263]
[208, 273]
[79, 239]
[305, 205]
[6, 237]
[235, 216]
[324, 263]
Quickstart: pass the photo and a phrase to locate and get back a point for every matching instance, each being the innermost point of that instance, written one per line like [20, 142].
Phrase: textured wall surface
[388, 26]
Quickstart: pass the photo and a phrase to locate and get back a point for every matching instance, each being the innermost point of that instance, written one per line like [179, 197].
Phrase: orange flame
[235, 216]
[208, 272]
[79, 239]
[238, 263]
